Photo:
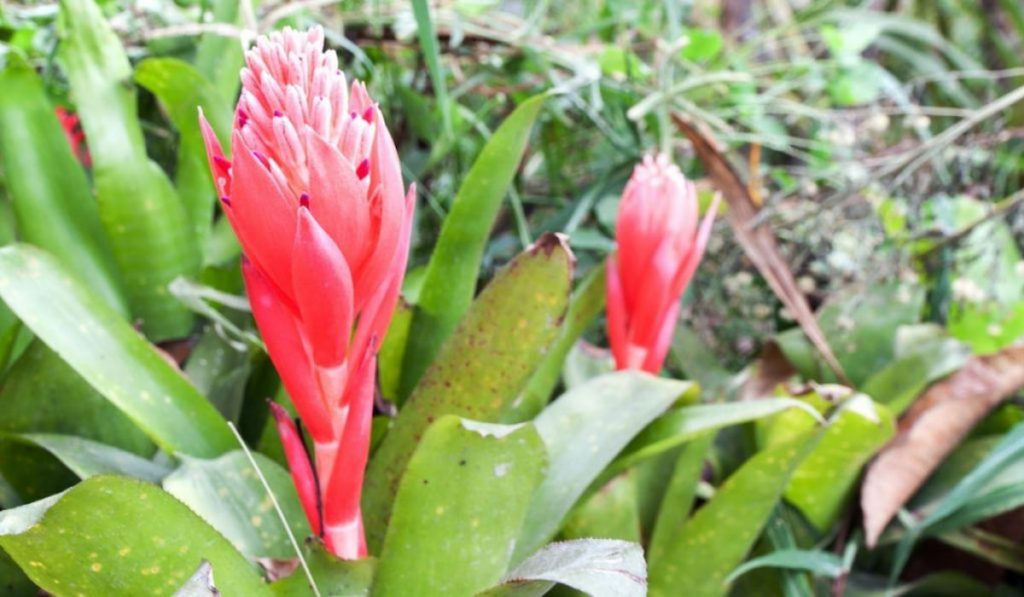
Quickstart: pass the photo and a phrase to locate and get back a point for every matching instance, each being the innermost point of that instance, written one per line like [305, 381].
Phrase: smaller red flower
[76, 138]
[660, 243]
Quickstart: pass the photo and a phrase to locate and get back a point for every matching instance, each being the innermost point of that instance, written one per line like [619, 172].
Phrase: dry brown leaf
[757, 241]
[931, 428]
[771, 369]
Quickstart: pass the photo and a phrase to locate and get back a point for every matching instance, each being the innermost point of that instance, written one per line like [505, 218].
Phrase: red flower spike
[660, 244]
[76, 137]
[300, 467]
[314, 193]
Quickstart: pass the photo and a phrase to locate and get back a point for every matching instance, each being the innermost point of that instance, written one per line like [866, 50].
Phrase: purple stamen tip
[304, 200]
[278, 114]
[363, 169]
[262, 158]
[226, 201]
[354, 115]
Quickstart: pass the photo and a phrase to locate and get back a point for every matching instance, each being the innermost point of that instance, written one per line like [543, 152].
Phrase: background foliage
[879, 142]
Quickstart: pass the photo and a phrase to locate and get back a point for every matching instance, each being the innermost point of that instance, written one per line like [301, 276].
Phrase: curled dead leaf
[757, 240]
[931, 429]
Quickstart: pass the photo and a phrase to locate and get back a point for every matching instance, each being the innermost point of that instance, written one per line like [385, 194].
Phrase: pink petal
[342, 518]
[616, 311]
[298, 464]
[338, 198]
[263, 217]
[280, 331]
[322, 287]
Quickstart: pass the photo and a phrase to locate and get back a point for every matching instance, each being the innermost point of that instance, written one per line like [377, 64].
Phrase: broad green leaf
[597, 567]
[119, 536]
[686, 423]
[482, 367]
[459, 508]
[350, 578]
[861, 329]
[109, 354]
[824, 482]
[721, 533]
[228, 494]
[87, 458]
[679, 496]
[146, 223]
[49, 190]
[220, 370]
[454, 266]
[182, 90]
[583, 431]
[819, 563]
[612, 512]
[910, 373]
[584, 307]
[42, 394]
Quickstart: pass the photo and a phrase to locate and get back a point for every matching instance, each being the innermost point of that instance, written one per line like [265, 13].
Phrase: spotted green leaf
[81, 542]
[482, 367]
[459, 508]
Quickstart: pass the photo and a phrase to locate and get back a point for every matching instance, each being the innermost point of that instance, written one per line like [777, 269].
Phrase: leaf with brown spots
[482, 367]
[932, 428]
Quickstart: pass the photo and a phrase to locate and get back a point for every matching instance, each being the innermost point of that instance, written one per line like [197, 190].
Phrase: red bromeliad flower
[314, 193]
[73, 131]
[659, 248]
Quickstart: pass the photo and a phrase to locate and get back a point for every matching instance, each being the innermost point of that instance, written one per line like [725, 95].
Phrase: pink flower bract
[660, 243]
[314, 193]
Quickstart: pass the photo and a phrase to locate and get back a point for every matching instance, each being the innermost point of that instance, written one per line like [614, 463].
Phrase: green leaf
[88, 458]
[452, 273]
[679, 496]
[819, 563]
[432, 56]
[109, 354]
[482, 367]
[389, 359]
[586, 304]
[824, 482]
[182, 90]
[459, 508]
[684, 424]
[583, 431]
[722, 532]
[145, 222]
[612, 512]
[703, 45]
[861, 329]
[42, 394]
[333, 576]
[598, 567]
[220, 58]
[83, 543]
[228, 494]
[929, 357]
[12, 580]
[49, 190]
